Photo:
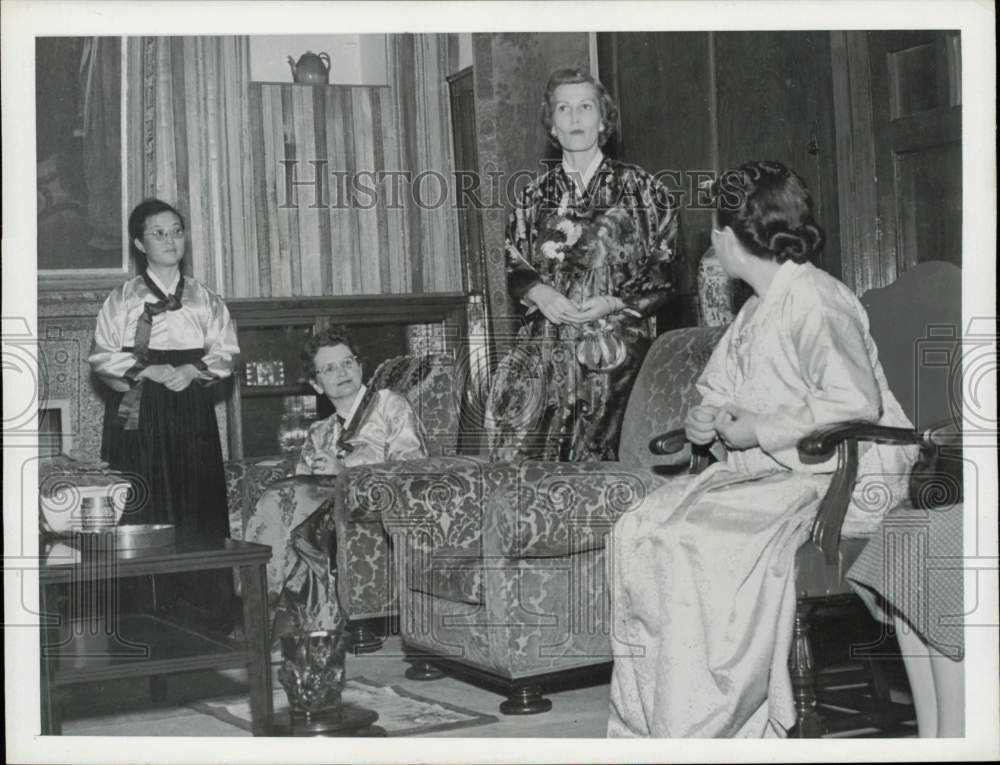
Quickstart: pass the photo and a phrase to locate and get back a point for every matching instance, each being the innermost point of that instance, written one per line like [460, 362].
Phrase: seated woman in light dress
[703, 572]
[295, 517]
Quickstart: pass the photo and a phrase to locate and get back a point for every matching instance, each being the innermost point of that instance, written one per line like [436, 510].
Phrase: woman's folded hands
[735, 427]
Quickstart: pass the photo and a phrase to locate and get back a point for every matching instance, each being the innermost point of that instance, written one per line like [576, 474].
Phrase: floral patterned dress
[560, 393]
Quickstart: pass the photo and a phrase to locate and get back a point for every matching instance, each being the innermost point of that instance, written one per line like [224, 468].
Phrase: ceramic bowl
[66, 507]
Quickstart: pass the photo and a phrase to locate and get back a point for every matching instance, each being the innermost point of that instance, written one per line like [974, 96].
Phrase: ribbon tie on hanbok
[128, 410]
[360, 414]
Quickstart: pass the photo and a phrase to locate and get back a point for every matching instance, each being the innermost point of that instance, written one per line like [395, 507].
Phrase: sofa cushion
[555, 509]
[452, 574]
[664, 390]
[430, 505]
[246, 481]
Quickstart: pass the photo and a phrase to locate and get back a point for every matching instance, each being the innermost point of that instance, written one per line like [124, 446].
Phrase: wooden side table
[102, 644]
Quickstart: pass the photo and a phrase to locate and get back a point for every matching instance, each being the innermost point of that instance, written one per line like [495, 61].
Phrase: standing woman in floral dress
[589, 250]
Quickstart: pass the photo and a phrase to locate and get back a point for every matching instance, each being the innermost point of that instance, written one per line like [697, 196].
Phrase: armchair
[501, 573]
[916, 323]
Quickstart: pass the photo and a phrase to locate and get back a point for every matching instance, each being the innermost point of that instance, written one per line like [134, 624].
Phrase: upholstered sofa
[501, 566]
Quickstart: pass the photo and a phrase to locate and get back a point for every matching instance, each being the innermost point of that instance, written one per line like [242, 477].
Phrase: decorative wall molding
[67, 304]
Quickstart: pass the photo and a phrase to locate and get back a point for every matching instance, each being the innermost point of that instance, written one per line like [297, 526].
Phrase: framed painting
[80, 98]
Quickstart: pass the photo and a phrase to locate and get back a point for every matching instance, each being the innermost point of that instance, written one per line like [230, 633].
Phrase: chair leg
[421, 669]
[525, 700]
[803, 675]
[364, 639]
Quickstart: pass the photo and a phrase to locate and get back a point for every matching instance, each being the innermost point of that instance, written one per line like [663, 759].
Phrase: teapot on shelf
[312, 69]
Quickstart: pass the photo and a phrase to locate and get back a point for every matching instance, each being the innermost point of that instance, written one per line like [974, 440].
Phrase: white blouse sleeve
[220, 341]
[117, 368]
[717, 383]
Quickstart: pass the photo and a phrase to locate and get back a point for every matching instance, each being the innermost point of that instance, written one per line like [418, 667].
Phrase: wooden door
[897, 98]
[917, 111]
[695, 103]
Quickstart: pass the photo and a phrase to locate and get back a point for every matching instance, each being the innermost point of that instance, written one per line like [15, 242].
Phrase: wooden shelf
[138, 645]
[384, 315]
[426, 308]
[252, 391]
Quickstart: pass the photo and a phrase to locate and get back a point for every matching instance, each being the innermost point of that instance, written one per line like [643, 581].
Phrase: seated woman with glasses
[368, 426]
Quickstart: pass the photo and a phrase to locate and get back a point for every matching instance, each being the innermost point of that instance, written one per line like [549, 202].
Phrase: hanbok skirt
[174, 463]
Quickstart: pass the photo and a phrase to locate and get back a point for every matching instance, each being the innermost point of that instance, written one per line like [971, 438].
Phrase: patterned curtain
[196, 150]
[417, 68]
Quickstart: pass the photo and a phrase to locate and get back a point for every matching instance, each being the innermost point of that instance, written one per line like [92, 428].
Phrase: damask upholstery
[663, 392]
[246, 481]
[501, 566]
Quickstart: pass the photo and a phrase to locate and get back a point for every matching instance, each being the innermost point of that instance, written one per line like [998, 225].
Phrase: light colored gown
[703, 571]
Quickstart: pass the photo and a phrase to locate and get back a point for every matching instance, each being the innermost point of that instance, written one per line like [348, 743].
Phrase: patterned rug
[400, 712]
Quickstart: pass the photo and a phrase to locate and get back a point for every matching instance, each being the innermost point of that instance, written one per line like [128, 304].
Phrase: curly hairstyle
[575, 76]
[770, 210]
[325, 338]
[141, 213]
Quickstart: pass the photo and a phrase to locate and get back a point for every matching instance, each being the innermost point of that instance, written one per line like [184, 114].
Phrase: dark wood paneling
[661, 82]
[775, 101]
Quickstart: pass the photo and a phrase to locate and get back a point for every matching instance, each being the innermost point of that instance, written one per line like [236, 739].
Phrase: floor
[124, 708]
[96, 709]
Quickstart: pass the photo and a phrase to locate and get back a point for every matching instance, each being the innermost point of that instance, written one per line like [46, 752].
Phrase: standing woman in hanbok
[589, 249]
[703, 571]
[162, 339]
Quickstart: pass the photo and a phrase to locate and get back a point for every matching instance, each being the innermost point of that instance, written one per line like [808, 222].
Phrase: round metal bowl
[141, 535]
[137, 536]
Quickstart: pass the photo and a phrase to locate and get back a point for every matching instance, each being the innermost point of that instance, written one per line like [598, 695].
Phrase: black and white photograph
[495, 381]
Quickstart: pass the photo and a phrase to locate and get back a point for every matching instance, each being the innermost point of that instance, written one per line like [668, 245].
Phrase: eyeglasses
[161, 236]
[346, 365]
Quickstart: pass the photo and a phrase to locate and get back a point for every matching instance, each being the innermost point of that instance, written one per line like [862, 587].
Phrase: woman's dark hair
[142, 212]
[325, 338]
[575, 76]
[770, 210]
